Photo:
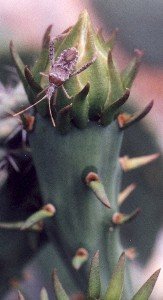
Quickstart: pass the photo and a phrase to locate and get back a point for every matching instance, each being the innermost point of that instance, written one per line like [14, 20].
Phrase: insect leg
[84, 67]
[44, 74]
[51, 52]
[65, 92]
[52, 47]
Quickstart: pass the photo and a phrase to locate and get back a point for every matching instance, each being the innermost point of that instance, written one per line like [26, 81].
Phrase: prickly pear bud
[79, 82]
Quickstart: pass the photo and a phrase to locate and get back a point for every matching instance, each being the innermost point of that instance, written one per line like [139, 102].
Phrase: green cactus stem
[86, 220]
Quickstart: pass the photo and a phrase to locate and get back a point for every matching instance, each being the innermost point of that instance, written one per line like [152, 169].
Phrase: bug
[61, 69]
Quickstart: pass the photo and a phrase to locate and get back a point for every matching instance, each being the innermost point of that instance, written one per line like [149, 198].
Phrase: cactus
[114, 289]
[75, 134]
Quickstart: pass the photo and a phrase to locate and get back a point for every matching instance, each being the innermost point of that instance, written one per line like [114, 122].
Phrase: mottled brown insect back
[62, 69]
[68, 58]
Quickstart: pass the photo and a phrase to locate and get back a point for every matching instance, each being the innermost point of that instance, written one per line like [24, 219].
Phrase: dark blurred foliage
[8, 75]
[19, 199]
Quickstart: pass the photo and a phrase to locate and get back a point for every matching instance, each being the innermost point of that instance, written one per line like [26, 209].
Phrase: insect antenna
[27, 108]
[50, 112]
[22, 111]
